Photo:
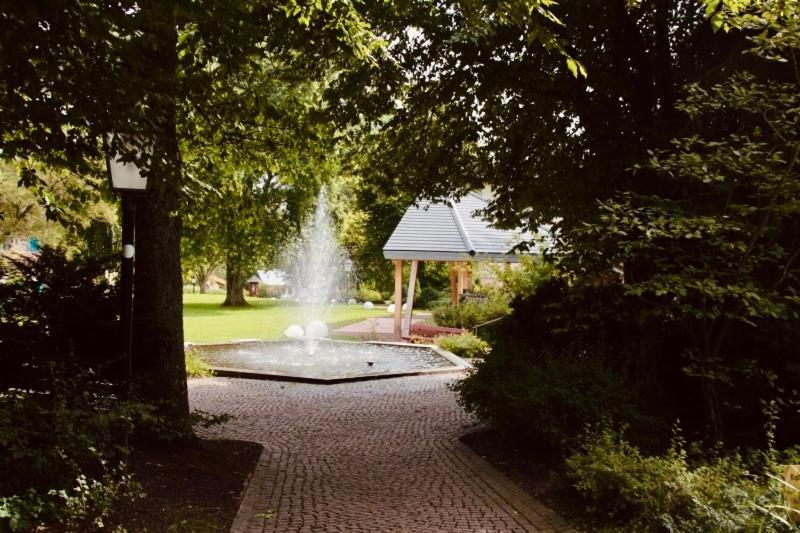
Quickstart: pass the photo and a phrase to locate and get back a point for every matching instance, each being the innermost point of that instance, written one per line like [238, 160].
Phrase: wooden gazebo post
[453, 283]
[412, 282]
[398, 297]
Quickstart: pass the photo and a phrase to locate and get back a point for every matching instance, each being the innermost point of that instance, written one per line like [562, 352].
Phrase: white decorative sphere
[316, 329]
[368, 305]
[294, 332]
[390, 308]
[352, 301]
[405, 306]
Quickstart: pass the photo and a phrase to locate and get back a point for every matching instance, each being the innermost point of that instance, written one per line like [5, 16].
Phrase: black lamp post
[127, 180]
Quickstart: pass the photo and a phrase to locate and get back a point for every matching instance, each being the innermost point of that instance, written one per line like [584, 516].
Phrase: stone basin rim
[459, 364]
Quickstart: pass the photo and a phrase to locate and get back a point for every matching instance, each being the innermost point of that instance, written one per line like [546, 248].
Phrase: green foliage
[469, 314]
[269, 291]
[524, 280]
[442, 119]
[673, 492]
[61, 416]
[427, 295]
[715, 248]
[57, 310]
[83, 506]
[368, 294]
[548, 401]
[195, 366]
[466, 345]
[61, 209]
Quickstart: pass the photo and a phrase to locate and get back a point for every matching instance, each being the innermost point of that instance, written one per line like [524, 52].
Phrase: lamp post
[348, 267]
[126, 179]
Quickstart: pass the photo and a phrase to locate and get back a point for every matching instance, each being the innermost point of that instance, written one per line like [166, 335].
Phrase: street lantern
[348, 267]
[127, 180]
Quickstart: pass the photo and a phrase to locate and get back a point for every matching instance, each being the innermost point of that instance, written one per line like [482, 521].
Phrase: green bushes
[61, 417]
[470, 314]
[270, 291]
[524, 280]
[195, 366]
[427, 296]
[466, 345]
[368, 294]
[550, 401]
[670, 492]
[61, 453]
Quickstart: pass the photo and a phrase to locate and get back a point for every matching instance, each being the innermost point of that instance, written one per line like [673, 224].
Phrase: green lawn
[204, 320]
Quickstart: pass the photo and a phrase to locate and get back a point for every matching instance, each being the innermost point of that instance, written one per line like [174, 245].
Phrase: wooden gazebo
[445, 230]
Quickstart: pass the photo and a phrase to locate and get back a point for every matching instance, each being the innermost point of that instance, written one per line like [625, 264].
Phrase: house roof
[448, 230]
[273, 277]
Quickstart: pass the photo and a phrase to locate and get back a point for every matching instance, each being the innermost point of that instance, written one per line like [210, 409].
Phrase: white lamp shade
[125, 176]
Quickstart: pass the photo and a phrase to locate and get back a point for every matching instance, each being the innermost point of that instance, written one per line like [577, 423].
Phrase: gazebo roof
[448, 230]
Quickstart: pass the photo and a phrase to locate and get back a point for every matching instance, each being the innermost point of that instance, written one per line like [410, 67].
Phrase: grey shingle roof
[446, 230]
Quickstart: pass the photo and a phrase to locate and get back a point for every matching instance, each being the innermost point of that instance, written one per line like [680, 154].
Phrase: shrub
[61, 419]
[671, 493]
[526, 279]
[368, 294]
[195, 366]
[470, 314]
[466, 345]
[269, 291]
[550, 400]
[427, 296]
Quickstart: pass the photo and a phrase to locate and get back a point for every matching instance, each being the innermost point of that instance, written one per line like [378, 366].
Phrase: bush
[470, 314]
[269, 291]
[427, 296]
[526, 279]
[549, 401]
[368, 294]
[671, 493]
[466, 345]
[61, 457]
[195, 366]
[61, 417]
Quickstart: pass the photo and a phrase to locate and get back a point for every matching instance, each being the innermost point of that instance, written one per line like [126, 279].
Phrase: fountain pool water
[332, 362]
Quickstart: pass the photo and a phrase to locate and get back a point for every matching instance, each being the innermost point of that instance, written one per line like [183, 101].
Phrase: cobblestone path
[367, 456]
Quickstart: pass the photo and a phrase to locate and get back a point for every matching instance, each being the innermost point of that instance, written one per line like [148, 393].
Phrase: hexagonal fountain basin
[332, 362]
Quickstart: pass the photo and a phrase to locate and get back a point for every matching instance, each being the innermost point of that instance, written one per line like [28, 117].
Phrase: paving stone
[365, 456]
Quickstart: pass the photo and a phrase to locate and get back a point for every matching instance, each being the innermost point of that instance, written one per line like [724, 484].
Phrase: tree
[65, 210]
[252, 186]
[72, 72]
[458, 105]
[718, 247]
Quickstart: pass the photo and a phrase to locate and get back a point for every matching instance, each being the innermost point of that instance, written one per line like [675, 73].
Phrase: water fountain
[315, 266]
[316, 263]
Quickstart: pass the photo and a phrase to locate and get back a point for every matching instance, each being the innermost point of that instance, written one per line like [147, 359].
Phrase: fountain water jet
[316, 265]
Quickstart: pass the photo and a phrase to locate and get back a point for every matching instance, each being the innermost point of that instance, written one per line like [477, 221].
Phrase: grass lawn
[205, 321]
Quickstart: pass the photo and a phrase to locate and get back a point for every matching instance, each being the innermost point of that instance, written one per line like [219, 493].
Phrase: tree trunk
[159, 367]
[234, 287]
[202, 275]
[712, 410]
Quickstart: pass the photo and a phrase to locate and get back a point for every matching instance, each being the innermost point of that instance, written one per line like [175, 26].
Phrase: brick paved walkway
[367, 456]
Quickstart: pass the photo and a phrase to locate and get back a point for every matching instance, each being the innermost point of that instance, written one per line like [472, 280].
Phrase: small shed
[447, 230]
[252, 285]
